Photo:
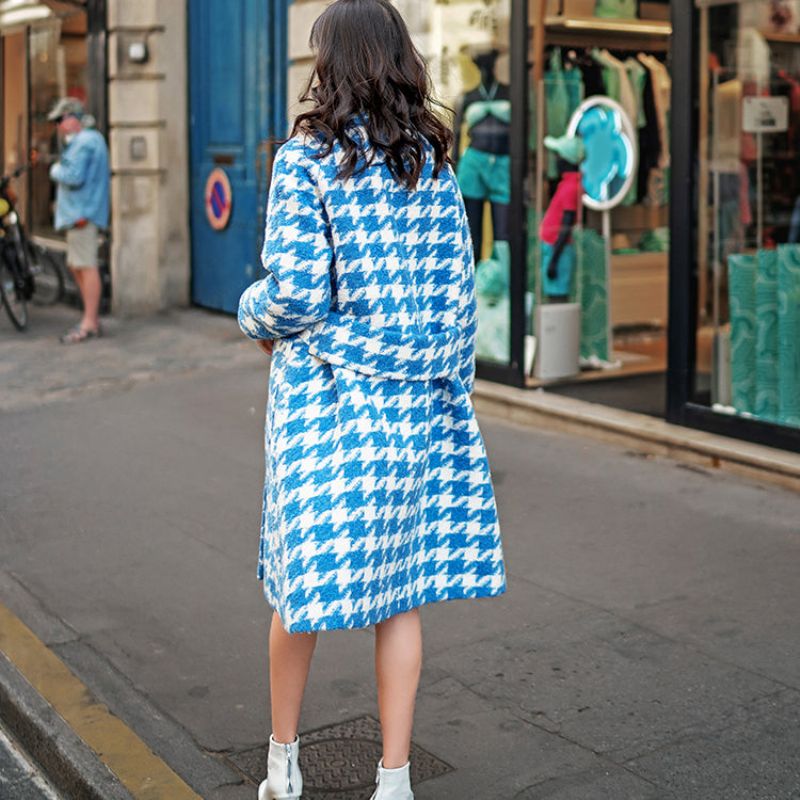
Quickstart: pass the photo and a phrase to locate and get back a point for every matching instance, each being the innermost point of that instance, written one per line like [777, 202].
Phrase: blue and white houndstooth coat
[378, 496]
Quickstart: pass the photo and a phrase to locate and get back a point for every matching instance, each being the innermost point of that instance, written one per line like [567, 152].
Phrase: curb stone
[69, 763]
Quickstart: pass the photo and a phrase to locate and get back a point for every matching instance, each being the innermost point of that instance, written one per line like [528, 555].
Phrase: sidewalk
[647, 648]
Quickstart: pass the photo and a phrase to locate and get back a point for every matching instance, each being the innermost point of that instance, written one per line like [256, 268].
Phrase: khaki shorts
[82, 245]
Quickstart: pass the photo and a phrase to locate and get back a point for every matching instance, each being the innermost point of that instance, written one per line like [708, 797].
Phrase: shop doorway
[232, 99]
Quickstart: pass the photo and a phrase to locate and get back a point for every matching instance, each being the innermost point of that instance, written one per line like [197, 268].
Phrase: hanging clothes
[658, 179]
[649, 139]
[662, 92]
[620, 88]
[564, 92]
[618, 84]
[637, 75]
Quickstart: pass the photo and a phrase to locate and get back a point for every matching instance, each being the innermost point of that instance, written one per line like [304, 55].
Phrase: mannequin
[484, 169]
[558, 252]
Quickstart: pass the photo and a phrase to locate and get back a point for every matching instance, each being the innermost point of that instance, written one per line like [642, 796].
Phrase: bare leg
[289, 662]
[398, 663]
[91, 287]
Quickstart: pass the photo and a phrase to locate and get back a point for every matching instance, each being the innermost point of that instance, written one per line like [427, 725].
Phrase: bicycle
[26, 269]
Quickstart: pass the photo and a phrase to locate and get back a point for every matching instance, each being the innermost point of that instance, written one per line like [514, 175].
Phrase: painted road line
[136, 766]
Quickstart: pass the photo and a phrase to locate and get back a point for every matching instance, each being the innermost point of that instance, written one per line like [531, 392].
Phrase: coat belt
[356, 343]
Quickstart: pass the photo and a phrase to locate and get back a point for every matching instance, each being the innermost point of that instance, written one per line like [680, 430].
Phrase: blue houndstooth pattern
[378, 496]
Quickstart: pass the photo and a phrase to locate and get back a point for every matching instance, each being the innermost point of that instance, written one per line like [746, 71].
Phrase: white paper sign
[765, 114]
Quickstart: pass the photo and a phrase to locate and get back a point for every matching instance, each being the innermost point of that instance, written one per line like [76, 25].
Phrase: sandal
[77, 334]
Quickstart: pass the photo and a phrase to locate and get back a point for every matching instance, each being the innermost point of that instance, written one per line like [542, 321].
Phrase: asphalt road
[648, 647]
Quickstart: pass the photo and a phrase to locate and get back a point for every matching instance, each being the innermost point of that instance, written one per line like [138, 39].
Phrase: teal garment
[789, 334]
[637, 74]
[484, 176]
[480, 109]
[567, 261]
[615, 9]
[655, 241]
[493, 275]
[564, 92]
[492, 290]
[766, 402]
[742, 301]
[611, 82]
[592, 292]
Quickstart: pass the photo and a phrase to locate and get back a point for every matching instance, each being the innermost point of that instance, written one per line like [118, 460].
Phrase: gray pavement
[648, 646]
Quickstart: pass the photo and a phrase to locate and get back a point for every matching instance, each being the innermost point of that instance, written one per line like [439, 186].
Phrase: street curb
[639, 432]
[72, 767]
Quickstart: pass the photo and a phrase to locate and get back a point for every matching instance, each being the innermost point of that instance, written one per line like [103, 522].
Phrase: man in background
[82, 207]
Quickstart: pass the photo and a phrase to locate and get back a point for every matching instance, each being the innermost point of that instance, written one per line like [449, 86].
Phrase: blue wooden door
[232, 115]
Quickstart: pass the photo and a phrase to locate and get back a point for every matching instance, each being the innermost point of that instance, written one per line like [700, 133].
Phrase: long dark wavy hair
[366, 64]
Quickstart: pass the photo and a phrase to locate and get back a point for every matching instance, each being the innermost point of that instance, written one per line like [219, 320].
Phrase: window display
[748, 340]
[466, 46]
[611, 264]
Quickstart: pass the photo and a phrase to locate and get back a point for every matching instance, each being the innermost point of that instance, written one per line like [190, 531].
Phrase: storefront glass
[466, 46]
[748, 335]
[44, 61]
[598, 235]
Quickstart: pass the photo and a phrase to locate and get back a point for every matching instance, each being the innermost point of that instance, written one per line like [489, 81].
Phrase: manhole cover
[339, 761]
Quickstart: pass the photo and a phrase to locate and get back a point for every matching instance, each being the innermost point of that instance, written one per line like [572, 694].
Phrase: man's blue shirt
[83, 179]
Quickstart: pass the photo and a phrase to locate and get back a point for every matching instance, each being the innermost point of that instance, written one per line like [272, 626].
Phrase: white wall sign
[765, 114]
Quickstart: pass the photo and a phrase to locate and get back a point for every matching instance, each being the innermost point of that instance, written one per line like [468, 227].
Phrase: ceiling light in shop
[19, 13]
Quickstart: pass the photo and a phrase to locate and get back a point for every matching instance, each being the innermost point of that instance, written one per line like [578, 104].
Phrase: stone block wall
[148, 138]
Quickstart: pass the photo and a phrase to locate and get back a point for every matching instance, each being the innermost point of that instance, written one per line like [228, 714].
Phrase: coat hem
[376, 616]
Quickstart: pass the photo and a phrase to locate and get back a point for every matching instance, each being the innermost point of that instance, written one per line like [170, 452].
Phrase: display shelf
[615, 34]
[781, 38]
[624, 27]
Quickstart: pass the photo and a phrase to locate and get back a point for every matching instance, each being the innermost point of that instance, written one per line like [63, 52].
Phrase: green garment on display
[637, 74]
[742, 300]
[484, 176]
[480, 109]
[492, 281]
[592, 293]
[563, 94]
[766, 402]
[655, 241]
[789, 334]
[615, 9]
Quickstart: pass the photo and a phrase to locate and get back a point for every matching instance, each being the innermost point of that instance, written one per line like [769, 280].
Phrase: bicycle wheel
[13, 297]
[48, 279]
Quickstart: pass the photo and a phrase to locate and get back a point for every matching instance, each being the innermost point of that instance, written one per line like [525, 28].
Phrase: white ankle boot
[393, 784]
[284, 781]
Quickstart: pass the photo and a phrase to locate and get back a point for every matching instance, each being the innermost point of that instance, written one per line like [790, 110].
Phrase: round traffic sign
[219, 199]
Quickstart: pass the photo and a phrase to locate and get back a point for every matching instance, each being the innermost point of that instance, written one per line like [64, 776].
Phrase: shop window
[45, 56]
[58, 54]
[599, 166]
[466, 47]
[748, 228]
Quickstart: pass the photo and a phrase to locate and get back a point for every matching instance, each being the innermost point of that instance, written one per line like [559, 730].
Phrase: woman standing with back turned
[378, 497]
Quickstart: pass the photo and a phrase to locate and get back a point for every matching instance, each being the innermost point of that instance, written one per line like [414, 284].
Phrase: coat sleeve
[297, 254]
[467, 306]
